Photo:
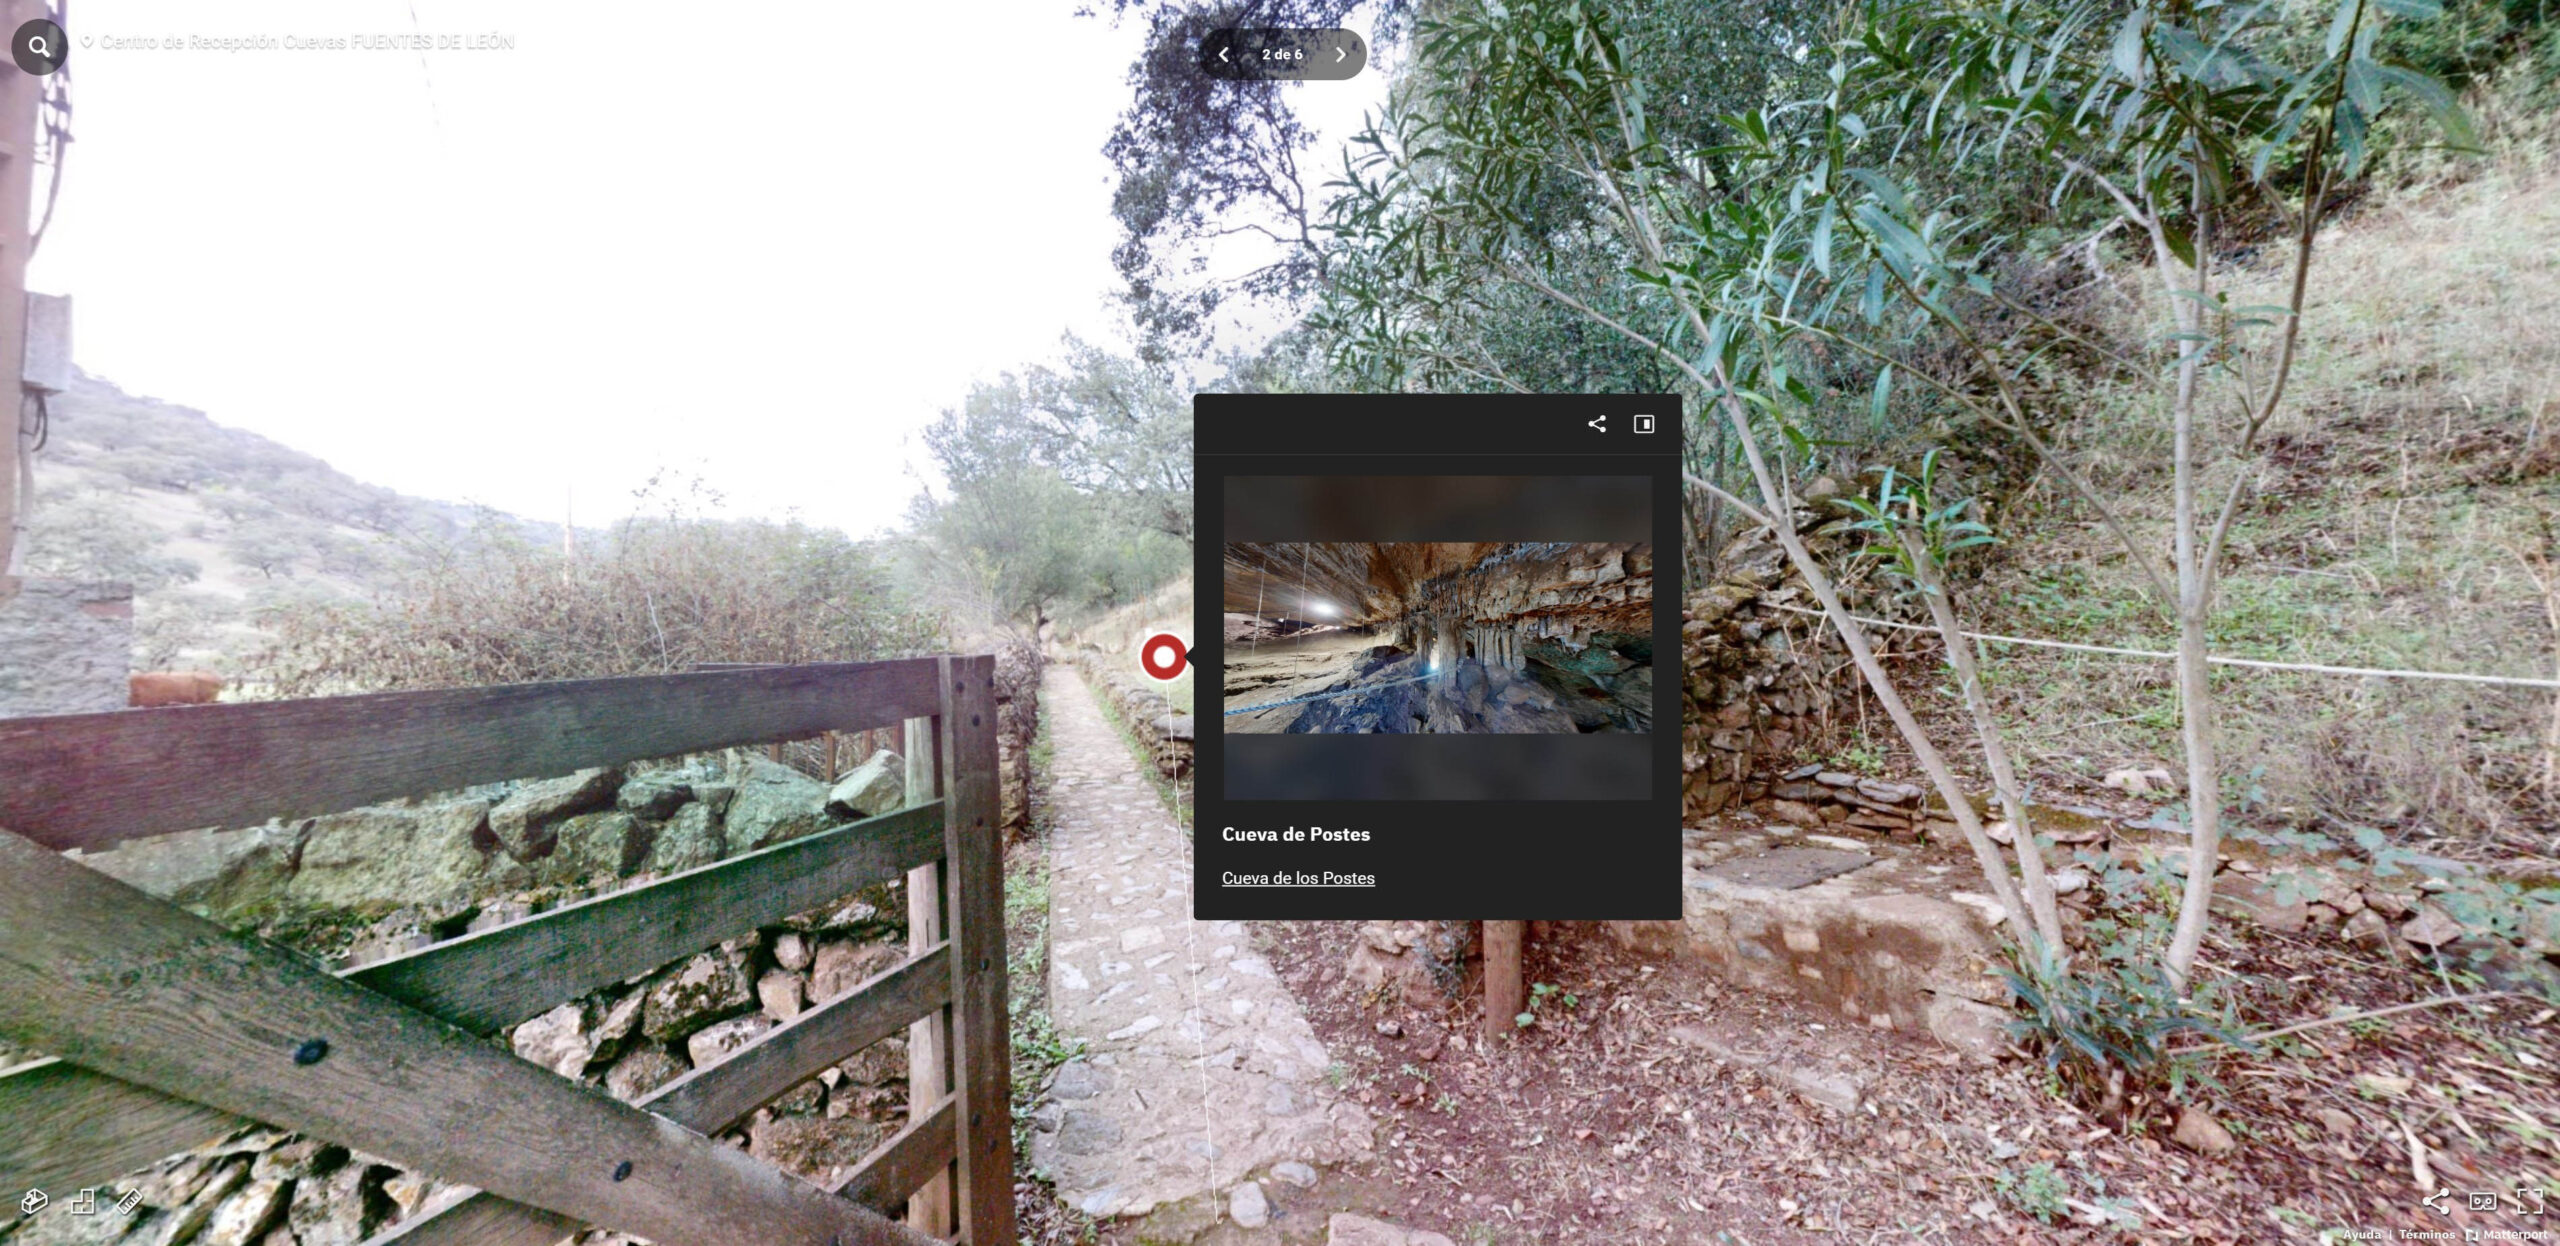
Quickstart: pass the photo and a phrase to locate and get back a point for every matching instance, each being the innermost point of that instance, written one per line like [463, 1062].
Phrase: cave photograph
[1478, 638]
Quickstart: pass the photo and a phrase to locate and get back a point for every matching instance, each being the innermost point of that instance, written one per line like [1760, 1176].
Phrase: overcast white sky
[761, 243]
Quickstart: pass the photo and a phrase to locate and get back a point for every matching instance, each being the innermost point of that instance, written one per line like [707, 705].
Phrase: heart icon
[84, 41]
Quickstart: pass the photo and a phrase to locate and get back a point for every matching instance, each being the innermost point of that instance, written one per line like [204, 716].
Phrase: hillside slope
[212, 523]
[2403, 516]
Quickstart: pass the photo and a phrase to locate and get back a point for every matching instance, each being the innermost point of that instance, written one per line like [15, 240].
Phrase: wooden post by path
[1504, 995]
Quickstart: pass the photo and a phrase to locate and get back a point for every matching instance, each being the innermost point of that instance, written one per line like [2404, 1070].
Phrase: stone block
[652, 798]
[382, 857]
[709, 988]
[1794, 812]
[693, 837]
[875, 787]
[774, 803]
[1896, 955]
[223, 874]
[526, 822]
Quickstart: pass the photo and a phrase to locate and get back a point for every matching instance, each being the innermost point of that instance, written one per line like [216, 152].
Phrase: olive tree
[1838, 223]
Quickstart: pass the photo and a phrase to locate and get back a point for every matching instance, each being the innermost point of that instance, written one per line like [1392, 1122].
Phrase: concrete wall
[66, 646]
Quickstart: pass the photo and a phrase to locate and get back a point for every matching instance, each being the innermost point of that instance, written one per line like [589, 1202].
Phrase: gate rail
[170, 1031]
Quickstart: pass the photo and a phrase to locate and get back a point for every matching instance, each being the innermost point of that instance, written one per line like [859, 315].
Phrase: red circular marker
[1164, 657]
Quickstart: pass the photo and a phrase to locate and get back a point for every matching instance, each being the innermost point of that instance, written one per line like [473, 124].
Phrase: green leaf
[2127, 53]
[1876, 400]
[2364, 85]
[2436, 98]
[2423, 10]
[2182, 242]
[1822, 237]
[2349, 124]
[2343, 21]
[1886, 190]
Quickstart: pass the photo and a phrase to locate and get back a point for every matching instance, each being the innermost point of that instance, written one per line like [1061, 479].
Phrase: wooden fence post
[928, 1040]
[973, 836]
[1504, 996]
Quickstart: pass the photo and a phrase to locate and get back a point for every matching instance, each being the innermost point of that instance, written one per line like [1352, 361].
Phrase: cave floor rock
[1269, 670]
[1365, 686]
[1200, 1070]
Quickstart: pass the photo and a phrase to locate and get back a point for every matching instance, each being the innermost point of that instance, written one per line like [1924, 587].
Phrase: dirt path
[1200, 1070]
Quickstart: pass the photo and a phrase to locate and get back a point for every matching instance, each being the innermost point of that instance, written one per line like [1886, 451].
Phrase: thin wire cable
[2316, 668]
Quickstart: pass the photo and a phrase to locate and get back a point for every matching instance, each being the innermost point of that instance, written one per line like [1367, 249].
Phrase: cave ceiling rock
[1490, 599]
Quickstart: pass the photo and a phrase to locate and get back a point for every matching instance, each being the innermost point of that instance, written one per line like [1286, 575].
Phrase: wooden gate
[170, 1031]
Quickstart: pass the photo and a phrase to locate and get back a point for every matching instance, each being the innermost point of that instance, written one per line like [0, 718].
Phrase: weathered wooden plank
[718, 1097]
[498, 977]
[63, 1126]
[467, 1217]
[714, 1099]
[929, 1042]
[910, 1156]
[89, 780]
[973, 864]
[112, 979]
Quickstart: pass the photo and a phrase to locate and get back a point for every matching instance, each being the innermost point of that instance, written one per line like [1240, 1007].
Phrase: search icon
[39, 47]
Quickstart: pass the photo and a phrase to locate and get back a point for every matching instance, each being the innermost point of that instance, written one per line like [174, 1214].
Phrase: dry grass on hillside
[2394, 520]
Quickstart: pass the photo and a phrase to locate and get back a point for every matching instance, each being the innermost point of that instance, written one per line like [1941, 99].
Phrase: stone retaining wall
[1141, 704]
[1018, 665]
[1766, 688]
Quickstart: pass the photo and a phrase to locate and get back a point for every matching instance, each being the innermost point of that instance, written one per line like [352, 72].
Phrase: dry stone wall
[1018, 666]
[1140, 702]
[1768, 687]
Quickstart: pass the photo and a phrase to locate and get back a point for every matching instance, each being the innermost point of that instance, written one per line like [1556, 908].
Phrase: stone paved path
[1200, 1071]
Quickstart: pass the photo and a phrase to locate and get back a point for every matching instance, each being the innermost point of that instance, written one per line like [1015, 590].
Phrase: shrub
[655, 595]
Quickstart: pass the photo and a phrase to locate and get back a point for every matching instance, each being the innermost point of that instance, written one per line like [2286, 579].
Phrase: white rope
[2159, 655]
